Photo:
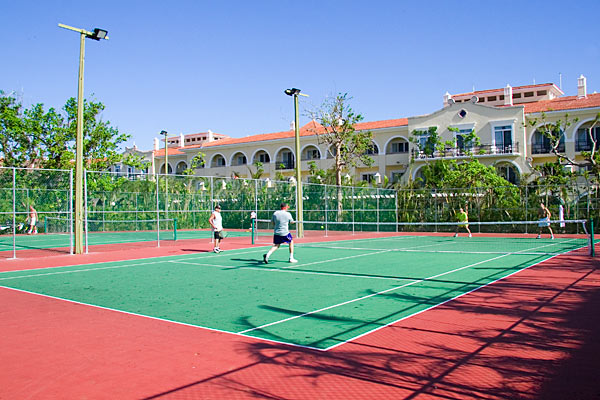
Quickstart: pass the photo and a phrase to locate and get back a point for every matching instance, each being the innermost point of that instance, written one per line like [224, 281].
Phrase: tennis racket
[223, 234]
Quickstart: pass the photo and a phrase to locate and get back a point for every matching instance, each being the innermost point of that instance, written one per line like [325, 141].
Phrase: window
[117, 168]
[398, 146]
[462, 113]
[584, 143]
[372, 150]
[368, 177]
[528, 94]
[396, 176]
[239, 159]
[503, 138]
[508, 172]
[516, 95]
[461, 143]
[312, 154]
[262, 157]
[481, 100]
[218, 161]
[286, 160]
[501, 97]
[542, 92]
[541, 144]
[492, 98]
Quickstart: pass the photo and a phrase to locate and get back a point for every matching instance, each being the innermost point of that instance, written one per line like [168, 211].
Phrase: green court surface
[62, 240]
[336, 292]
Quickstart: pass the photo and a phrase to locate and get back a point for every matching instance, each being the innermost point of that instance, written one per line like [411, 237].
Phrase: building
[500, 117]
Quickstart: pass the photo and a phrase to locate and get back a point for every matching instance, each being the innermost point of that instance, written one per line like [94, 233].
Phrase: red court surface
[533, 335]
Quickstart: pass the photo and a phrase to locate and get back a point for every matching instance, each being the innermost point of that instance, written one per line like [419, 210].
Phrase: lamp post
[166, 135]
[97, 34]
[295, 93]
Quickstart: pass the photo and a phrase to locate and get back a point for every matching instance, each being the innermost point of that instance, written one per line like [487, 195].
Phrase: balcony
[545, 148]
[284, 164]
[583, 145]
[453, 152]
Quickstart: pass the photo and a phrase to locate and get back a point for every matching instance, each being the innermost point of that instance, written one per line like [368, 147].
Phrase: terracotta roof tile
[563, 103]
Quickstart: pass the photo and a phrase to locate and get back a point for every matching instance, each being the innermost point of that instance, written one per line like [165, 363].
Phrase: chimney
[181, 140]
[508, 96]
[447, 98]
[156, 145]
[210, 136]
[581, 87]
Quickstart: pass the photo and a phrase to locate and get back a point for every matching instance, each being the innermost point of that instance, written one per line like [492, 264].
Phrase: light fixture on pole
[97, 34]
[268, 182]
[294, 92]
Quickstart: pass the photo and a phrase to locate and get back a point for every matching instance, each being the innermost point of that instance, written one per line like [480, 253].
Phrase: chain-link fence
[154, 207]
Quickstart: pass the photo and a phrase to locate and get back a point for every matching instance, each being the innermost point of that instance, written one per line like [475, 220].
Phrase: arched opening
[218, 161]
[284, 159]
[540, 143]
[181, 166]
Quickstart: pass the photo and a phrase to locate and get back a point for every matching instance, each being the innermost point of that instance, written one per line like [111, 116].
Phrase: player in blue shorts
[281, 232]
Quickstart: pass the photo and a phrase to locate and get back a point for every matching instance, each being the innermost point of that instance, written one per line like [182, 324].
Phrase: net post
[14, 211]
[85, 210]
[253, 229]
[45, 224]
[175, 229]
[592, 247]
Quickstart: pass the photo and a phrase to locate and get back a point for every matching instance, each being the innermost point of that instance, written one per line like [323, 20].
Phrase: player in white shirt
[216, 222]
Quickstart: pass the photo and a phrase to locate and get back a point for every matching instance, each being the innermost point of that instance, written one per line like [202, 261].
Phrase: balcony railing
[583, 145]
[450, 152]
[546, 148]
[284, 165]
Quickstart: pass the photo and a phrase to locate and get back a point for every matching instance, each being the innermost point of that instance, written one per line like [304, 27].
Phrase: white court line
[163, 319]
[161, 260]
[388, 290]
[370, 295]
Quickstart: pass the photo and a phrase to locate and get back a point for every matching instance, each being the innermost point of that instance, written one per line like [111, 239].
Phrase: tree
[197, 162]
[35, 137]
[259, 170]
[347, 145]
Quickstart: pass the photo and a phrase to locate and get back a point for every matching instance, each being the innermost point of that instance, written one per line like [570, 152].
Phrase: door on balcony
[503, 138]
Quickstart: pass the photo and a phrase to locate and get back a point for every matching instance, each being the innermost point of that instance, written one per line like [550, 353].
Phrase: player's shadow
[196, 250]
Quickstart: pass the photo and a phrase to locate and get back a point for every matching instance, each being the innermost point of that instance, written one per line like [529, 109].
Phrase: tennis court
[337, 292]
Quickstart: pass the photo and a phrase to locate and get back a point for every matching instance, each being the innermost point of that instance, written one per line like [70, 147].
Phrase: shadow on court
[533, 335]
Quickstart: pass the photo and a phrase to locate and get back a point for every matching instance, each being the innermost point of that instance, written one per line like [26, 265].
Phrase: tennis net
[118, 231]
[500, 237]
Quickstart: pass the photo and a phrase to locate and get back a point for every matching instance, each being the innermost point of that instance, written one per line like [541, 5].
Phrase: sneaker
[293, 260]
[265, 259]
[539, 237]
[470, 235]
[456, 235]
[217, 250]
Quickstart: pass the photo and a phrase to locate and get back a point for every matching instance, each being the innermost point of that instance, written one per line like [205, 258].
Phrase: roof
[310, 129]
[173, 151]
[563, 103]
[514, 88]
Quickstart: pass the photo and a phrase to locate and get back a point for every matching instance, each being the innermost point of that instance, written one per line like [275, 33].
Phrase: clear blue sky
[190, 66]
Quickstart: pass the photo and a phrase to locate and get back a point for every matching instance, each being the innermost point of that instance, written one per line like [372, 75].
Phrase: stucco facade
[499, 117]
